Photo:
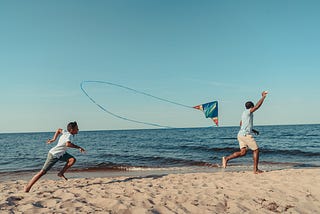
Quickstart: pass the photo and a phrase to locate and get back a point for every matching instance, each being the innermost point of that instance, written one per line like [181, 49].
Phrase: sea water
[284, 146]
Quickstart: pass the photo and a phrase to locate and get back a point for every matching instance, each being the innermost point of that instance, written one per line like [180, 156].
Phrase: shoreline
[144, 171]
[285, 191]
[104, 173]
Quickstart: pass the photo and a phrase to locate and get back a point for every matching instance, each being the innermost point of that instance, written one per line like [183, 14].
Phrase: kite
[210, 110]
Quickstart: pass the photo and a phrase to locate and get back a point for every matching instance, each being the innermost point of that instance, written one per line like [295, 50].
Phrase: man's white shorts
[247, 141]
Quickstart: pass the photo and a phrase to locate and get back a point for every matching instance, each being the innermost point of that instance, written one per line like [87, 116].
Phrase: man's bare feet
[224, 162]
[258, 171]
[26, 189]
[62, 176]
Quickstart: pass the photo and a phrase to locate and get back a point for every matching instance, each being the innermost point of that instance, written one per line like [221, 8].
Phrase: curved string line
[130, 89]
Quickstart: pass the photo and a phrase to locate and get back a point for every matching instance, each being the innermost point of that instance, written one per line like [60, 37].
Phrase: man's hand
[264, 93]
[82, 150]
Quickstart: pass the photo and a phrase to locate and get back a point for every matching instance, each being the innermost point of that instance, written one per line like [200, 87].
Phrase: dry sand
[281, 191]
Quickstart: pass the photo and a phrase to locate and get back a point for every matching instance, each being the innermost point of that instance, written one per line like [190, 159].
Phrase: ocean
[283, 146]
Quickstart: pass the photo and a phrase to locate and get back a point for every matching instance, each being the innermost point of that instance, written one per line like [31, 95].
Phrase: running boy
[58, 153]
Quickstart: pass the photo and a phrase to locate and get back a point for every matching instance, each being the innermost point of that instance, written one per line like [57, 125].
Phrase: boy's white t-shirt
[61, 146]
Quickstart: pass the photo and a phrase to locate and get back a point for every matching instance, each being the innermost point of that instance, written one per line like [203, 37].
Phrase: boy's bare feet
[62, 176]
[224, 162]
[258, 171]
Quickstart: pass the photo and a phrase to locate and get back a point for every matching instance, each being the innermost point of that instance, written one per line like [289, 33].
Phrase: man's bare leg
[256, 162]
[70, 162]
[34, 180]
[242, 152]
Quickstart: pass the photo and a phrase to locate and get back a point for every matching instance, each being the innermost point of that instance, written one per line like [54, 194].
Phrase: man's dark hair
[249, 105]
[72, 125]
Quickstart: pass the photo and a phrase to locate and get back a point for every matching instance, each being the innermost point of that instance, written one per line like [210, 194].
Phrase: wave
[296, 152]
[152, 163]
[135, 168]
[209, 149]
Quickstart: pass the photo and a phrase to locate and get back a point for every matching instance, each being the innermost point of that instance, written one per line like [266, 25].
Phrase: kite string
[131, 89]
[136, 91]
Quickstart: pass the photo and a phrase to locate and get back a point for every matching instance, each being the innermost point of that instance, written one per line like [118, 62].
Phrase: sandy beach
[281, 191]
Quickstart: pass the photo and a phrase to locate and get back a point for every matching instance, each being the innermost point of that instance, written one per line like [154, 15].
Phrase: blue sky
[190, 52]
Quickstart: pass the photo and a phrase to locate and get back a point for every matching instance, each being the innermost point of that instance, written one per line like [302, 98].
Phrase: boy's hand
[82, 150]
[255, 131]
[50, 141]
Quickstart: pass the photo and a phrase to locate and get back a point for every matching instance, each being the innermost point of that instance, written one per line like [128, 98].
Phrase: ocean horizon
[130, 129]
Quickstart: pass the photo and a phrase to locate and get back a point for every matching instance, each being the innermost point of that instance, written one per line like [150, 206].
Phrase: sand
[280, 191]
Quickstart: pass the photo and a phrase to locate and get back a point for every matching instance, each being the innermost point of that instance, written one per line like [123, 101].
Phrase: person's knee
[243, 152]
[71, 161]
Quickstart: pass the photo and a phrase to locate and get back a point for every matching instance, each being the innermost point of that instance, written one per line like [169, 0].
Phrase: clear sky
[186, 51]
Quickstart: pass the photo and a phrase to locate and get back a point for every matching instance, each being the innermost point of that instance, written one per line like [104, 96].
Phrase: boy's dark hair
[72, 125]
[249, 105]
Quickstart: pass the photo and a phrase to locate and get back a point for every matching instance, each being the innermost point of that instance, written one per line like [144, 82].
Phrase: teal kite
[210, 110]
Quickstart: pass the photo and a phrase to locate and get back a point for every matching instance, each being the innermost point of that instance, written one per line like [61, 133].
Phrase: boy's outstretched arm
[259, 103]
[55, 136]
[71, 145]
